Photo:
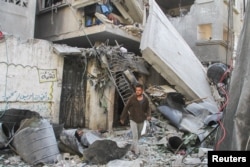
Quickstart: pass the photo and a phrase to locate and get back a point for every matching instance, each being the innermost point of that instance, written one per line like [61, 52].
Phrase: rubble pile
[162, 144]
[179, 134]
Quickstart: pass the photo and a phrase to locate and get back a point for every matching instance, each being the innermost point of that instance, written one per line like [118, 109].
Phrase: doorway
[72, 105]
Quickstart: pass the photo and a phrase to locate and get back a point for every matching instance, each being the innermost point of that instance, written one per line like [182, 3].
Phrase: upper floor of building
[17, 17]
[209, 25]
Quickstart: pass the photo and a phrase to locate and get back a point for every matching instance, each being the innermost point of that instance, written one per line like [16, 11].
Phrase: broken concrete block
[103, 151]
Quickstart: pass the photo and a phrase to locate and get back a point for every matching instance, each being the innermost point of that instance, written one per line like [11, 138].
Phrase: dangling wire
[227, 73]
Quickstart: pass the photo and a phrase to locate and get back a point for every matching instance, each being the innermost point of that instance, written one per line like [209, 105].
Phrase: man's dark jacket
[138, 111]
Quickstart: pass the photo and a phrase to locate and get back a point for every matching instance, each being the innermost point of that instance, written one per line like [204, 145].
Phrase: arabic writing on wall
[47, 75]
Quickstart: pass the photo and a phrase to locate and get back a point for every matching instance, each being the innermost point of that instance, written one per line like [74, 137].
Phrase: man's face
[138, 91]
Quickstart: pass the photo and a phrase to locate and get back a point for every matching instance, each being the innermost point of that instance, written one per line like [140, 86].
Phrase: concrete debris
[125, 163]
[13, 160]
[166, 140]
[187, 117]
[193, 122]
[159, 92]
[103, 151]
[132, 29]
[192, 161]
[161, 144]
[161, 148]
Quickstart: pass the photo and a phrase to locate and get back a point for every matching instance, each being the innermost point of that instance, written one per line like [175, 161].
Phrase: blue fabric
[105, 9]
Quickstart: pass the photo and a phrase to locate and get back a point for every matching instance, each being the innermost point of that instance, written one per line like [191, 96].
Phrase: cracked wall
[215, 13]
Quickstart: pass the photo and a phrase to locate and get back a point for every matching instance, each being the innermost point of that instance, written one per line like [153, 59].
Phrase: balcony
[83, 22]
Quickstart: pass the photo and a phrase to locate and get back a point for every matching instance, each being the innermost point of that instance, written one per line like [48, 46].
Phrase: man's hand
[122, 122]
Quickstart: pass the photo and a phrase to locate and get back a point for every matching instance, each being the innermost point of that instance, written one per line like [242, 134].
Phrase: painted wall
[18, 20]
[31, 76]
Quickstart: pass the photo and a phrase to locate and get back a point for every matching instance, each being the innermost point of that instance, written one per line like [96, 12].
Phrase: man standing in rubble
[138, 110]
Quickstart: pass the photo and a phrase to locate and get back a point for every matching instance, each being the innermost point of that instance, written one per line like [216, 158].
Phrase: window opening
[204, 32]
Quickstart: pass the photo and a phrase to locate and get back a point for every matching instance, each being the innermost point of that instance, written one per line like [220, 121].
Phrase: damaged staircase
[117, 65]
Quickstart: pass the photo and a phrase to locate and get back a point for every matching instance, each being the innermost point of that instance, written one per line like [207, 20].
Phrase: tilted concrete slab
[167, 52]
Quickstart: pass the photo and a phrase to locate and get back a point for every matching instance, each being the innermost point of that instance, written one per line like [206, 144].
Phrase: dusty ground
[154, 153]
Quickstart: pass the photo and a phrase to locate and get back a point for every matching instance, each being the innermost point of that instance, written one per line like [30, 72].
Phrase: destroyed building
[75, 61]
[211, 28]
[82, 24]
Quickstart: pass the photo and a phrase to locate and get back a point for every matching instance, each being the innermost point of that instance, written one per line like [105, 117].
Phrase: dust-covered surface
[155, 150]
[151, 156]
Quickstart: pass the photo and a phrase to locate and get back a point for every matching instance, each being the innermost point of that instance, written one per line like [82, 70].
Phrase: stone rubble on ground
[154, 152]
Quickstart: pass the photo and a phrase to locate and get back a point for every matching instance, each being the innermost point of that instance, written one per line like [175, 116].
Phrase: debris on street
[161, 145]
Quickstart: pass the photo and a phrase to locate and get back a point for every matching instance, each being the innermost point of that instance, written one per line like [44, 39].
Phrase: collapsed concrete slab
[167, 52]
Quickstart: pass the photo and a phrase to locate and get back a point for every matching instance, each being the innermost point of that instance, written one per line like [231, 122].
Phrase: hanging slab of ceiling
[164, 48]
